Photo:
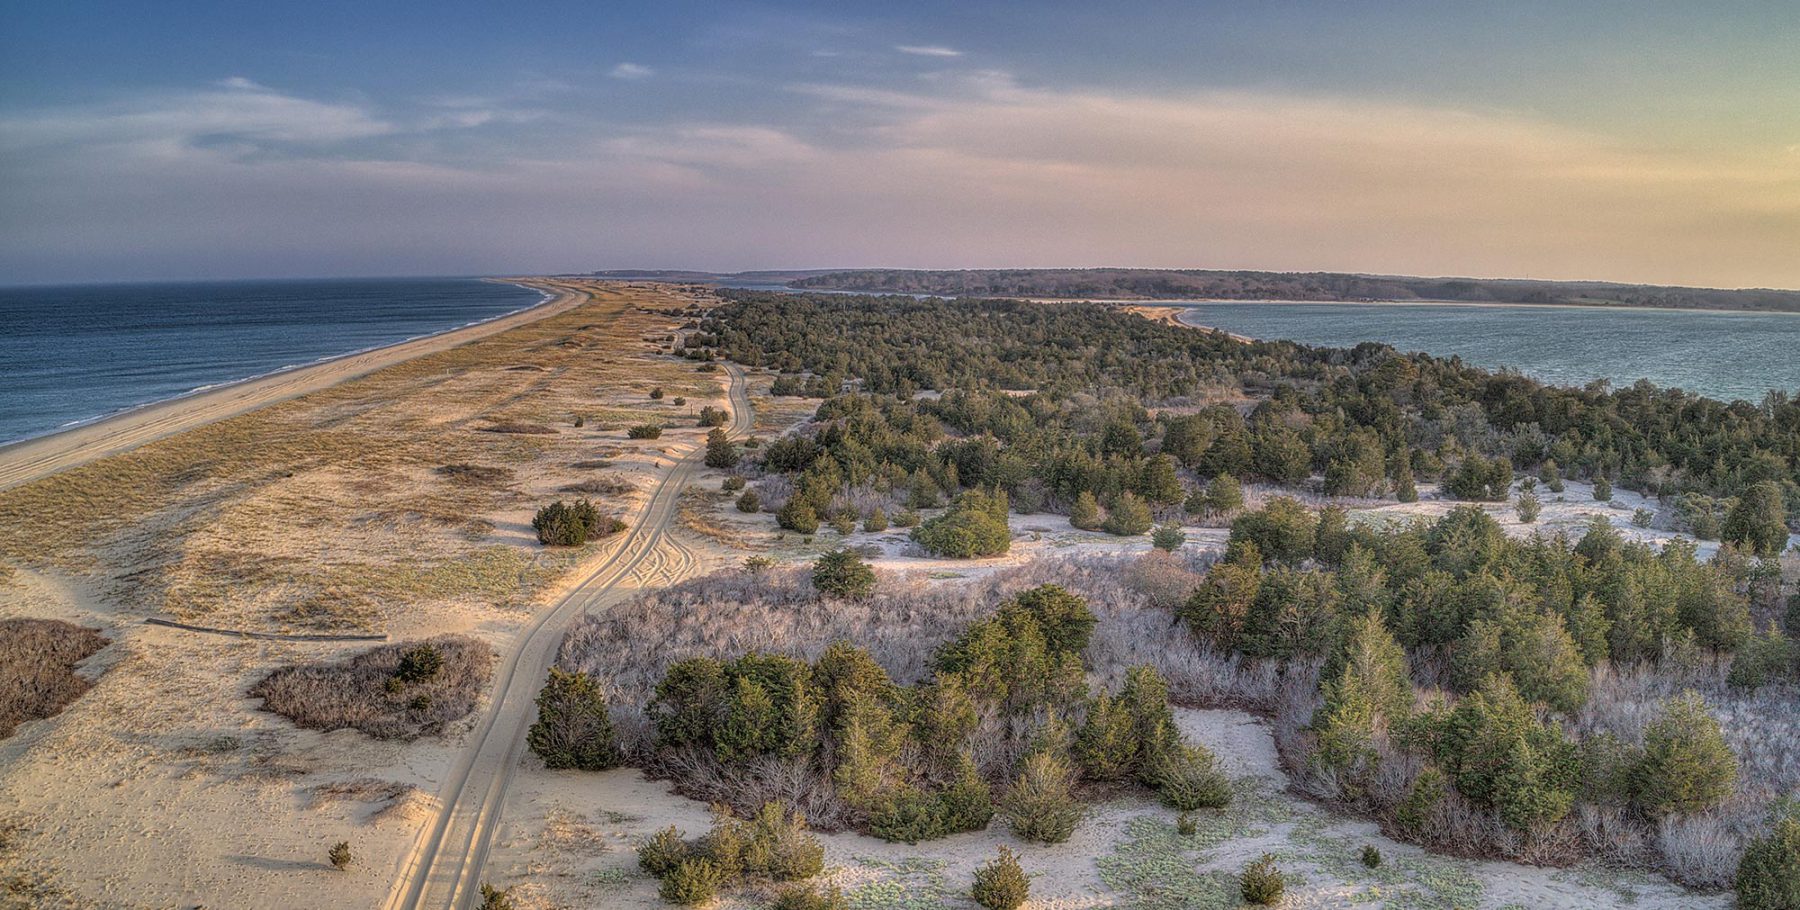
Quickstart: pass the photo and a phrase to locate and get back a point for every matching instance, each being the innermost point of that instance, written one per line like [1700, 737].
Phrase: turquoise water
[74, 353]
[1718, 354]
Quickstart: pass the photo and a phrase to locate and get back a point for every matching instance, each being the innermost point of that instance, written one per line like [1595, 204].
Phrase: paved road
[443, 870]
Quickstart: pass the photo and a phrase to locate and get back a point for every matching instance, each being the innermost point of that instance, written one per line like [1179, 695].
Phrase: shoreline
[34, 457]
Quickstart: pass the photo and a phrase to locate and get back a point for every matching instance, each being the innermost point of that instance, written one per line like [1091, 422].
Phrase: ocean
[1725, 355]
[71, 354]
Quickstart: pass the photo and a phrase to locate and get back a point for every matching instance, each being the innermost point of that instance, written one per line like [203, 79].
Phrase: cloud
[631, 72]
[928, 50]
[969, 169]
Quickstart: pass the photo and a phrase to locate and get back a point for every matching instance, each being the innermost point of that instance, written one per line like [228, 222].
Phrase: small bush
[645, 431]
[419, 664]
[680, 401]
[561, 524]
[906, 518]
[1768, 876]
[721, 452]
[1168, 538]
[1128, 517]
[339, 854]
[732, 484]
[1529, 508]
[493, 898]
[1261, 882]
[574, 728]
[1186, 825]
[1371, 857]
[798, 517]
[1188, 778]
[692, 882]
[1641, 518]
[1001, 884]
[876, 522]
[661, 852]
[842, 573]
[1602, 490]
[714, 417]
[749, 502]
[804, 897]
[656, 394]
[1686, 764]
[844, 523]
[1040, 806]
[362, 692]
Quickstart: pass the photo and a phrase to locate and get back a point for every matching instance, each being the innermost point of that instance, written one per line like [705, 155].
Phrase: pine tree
[574, 728]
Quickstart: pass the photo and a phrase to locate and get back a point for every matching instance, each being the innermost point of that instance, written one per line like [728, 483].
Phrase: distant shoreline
[28, 459]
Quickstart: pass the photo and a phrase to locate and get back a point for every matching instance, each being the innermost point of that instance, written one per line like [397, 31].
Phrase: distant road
[30, 459]
[443, 870]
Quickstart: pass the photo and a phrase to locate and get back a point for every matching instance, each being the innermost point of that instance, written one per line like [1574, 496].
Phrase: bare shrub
[599, 486]
[357, 693]
[37, 668]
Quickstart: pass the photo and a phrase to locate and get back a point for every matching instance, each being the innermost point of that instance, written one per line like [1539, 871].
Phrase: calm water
[1722, 355]
[70, 354]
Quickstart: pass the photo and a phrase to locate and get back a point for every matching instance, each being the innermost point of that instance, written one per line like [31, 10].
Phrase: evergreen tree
[574, 728]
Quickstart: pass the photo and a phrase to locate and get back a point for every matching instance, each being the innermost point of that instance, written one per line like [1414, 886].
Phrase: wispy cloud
[631, 72]
[969, 169]
[928, 50]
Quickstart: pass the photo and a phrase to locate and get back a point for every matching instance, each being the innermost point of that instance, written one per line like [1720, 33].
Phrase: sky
[1642, 141]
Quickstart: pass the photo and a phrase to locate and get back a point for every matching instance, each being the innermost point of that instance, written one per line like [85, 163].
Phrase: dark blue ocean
[74, 353]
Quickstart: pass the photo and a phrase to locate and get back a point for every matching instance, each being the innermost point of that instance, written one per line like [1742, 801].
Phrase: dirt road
[443, 870]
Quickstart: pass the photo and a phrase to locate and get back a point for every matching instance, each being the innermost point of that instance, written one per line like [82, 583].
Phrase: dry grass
[37, 668]
[357, 694]
[478, 475]
[598, 486]
[521, 429]
[341, 508]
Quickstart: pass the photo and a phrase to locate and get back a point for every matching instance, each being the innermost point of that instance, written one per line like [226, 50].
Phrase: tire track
[443, 869]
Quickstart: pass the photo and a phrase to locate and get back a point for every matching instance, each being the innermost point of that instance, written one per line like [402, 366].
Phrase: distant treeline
[1182, 284]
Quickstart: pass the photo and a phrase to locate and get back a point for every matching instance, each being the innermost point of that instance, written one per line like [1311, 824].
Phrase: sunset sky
[1640, 141]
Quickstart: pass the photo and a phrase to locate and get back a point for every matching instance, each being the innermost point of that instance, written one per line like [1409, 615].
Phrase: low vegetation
[1001, 884]
[772, 846]
[382, 691]
[38, 660]
[561, 524]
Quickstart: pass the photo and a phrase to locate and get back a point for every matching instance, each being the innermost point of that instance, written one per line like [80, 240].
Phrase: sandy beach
[40, 456]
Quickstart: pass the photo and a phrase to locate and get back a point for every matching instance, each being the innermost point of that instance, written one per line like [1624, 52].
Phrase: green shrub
[1480, 479]
[1641, 518]
[780, 848]
[1768, 876]
[1186, 825]
[645, 431]
[1758, 523]
[1129, 516]
[661, 852]
[418, 664]
[1371, 857]
[1040, 807]
[339, 854]
[1686, 765]
[692, 882]
[656, 394]
[876, 522]
[1418, 811]
[750, 502]
[1188, 778]
[1001, 884]
[973, 527]
[805, 897]
[908, 815]
[1085, 512]
[906, 518]
[842, 573]
[1764, 659]
[1283, 530]
[493, 898]
[1602, 489]
[1529, 508]
[844, 523]
[563, 524]
[574, 728]
[797, 516]
[1500, 756]
[721, 452]
[732, 484]
[1168, 538]
[967, 804]
[1261, 882]
[714, 417]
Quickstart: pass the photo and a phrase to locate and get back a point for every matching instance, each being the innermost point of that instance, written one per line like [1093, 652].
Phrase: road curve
[443, 869]
[30, 459]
